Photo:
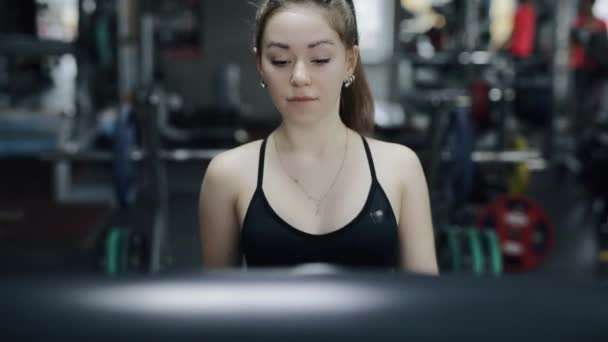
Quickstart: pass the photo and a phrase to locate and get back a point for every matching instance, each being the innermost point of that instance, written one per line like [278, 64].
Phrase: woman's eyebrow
[284, 46]
[278, 45]
[320, 42]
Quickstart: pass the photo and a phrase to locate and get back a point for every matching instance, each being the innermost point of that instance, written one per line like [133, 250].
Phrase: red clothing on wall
[578, 58]
[524, 31]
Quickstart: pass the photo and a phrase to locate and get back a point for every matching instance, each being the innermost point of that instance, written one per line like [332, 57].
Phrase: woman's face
[304, 62]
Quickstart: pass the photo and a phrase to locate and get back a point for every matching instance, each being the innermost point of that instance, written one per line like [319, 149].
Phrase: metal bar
[471, 24]
[147, 50]
[532, 159]
[565, 10]
[185, 155]
[127, 48]
[176, 155]
[158, 174]
[505, 156]
[27, 46]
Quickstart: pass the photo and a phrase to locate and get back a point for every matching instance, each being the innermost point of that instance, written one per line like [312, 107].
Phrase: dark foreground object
[289, 306]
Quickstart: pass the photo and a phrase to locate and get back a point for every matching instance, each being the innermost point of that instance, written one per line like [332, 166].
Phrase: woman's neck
[318, 140]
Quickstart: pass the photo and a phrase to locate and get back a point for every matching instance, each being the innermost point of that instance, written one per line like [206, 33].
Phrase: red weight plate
[518, 220]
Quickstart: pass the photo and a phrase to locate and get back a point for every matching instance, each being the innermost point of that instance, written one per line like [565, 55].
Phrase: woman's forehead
[299, 26]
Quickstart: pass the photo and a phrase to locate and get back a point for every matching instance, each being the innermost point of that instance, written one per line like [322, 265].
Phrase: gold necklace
[316, 201]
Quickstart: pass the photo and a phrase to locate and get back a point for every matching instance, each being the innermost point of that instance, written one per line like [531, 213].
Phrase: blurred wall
[226, 38]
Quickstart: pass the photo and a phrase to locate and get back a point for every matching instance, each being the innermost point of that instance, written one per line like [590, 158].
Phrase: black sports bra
[369, 240]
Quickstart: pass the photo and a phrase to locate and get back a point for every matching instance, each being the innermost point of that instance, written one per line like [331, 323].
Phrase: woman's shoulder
[392, 153]
[233, 164]
[396, 163]
[240, 153]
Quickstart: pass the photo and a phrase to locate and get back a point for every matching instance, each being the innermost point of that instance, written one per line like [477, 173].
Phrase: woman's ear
[352, 58]
[258, 60]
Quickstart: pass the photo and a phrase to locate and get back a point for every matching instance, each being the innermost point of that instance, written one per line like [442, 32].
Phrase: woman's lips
[301, 99]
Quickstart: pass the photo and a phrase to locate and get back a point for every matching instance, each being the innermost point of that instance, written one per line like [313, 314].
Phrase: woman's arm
[218, 223]
[415, 223]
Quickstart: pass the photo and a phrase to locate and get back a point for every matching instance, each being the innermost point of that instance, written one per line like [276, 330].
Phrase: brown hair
[356, 101]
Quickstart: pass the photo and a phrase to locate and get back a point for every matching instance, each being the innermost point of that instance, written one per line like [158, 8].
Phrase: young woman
[316, 190]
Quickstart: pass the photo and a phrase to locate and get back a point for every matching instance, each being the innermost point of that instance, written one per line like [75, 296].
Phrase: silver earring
[349, 81]
[262, 84]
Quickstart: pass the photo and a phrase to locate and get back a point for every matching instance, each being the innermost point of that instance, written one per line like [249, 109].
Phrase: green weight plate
[474, 251]
[456, 250]
[124, 251]
[494, 254]
[112, 251]
[449, 251]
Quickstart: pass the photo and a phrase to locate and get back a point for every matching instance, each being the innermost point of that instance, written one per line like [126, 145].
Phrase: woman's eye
[321, 61]
[279, 63]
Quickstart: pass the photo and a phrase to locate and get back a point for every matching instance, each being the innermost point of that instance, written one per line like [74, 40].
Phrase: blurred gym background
[110, 111]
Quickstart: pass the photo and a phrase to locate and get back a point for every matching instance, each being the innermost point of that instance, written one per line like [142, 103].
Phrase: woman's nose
[300, 75]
